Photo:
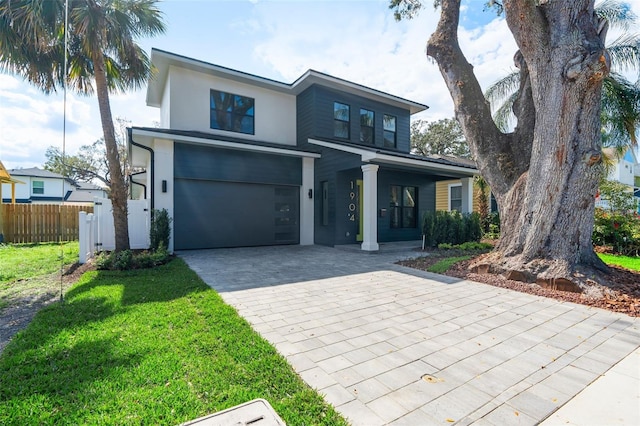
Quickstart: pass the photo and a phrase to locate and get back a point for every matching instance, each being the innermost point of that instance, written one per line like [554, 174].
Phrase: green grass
[443, 265]
[632, 263]
[32, 270]
[22, 261]
[154, 346]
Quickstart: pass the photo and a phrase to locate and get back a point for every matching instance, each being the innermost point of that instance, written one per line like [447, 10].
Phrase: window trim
[233, 113]
[401, 207]
[372, 127]
[33, 187]
[336, 119]
[395, 131]
[453, 185]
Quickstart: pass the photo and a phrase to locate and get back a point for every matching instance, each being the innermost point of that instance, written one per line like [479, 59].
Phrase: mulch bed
[622, 296]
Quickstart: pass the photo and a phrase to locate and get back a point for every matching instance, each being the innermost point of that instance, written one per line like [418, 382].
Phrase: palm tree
[101, 50]
[620, 110]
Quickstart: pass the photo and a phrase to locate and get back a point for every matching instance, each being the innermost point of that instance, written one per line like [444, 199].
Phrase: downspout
[132, 143]
[132, 182]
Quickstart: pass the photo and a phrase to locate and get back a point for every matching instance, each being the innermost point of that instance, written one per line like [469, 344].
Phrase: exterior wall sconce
[164, 186]
[310, 193]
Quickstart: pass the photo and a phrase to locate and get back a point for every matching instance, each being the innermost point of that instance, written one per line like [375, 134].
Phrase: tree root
[552, 274]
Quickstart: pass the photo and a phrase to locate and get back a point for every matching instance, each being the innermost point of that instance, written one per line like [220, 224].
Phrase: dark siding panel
[323, 117]
[346, 229]
[326, 169]
[204, 162]
[305, 123]
[426, 202]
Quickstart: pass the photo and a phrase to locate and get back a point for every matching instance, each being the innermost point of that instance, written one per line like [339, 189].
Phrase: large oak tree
[545, 173]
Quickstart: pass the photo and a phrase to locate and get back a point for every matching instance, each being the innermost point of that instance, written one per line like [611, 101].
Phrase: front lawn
[22, 261]
[154, 346]
[632, 263]
[30, 271]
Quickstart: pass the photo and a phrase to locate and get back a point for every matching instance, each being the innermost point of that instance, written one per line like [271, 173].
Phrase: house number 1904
[352, 204]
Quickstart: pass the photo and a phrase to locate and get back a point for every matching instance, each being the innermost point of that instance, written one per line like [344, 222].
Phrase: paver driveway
[387, 344]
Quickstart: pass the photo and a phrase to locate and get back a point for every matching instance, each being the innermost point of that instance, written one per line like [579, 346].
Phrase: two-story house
[242, 160]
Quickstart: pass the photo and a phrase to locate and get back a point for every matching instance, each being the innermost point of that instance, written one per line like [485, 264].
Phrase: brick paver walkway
[391, 345]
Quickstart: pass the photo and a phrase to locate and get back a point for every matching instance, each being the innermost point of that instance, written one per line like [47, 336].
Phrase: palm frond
[619, 14]
[625, 53]
[502, 89]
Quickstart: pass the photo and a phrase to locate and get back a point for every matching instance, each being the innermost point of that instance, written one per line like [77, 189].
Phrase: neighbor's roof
[86, 186]
[36, 172]
[163, 60]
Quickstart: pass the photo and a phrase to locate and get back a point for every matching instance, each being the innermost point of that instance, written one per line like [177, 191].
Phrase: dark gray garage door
[231, 198]
[210, 214]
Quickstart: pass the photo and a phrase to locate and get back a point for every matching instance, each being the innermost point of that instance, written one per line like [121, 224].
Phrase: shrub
[494, 226]
[160, 229]
[445, 246]
[450, 228]
[619, 231]
[126, 259]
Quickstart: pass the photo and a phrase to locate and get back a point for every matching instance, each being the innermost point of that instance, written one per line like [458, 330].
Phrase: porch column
[467, 195]
[370, 207]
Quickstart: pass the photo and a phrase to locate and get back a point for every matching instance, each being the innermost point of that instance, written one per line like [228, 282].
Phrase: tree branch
[488, 144]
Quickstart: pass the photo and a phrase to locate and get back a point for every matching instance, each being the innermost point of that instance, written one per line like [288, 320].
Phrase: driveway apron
[392, 345]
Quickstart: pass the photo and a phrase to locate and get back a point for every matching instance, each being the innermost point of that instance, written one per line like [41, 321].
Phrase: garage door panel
[212, 214]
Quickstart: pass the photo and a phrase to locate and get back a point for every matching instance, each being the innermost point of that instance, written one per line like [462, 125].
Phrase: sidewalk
[613, 399]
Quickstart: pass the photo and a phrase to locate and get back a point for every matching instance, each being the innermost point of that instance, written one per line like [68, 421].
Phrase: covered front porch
[390, 192]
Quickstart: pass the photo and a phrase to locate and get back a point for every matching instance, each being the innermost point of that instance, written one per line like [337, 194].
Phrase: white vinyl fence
[97, 232]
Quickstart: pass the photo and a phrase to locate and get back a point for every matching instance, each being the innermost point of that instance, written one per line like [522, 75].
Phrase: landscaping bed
[623, 296]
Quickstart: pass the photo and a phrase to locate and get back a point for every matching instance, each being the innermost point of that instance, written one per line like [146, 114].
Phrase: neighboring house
[84, 192]
[625, 170]
[45, 187]
[449, 192]
[242, 160]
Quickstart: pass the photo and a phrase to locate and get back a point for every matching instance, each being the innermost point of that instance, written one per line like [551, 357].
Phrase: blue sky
[355, 40]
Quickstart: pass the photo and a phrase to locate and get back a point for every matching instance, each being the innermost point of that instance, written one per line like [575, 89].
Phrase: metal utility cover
[253, 413]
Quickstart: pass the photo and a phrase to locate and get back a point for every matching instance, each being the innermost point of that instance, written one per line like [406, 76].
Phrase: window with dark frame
[367, 120]
[455, 198]
[403, 206]
[389, 130]
[231, 112]
[341, 120]
[37, 187]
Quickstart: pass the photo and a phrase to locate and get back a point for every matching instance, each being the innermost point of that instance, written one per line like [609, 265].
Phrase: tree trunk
[545, 173]
[118, 188]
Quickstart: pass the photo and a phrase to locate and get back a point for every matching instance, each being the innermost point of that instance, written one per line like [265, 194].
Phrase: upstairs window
[366, 126]
[341, 123]
[37, 187]
[233, 113]
[389, 126]
[403, 206]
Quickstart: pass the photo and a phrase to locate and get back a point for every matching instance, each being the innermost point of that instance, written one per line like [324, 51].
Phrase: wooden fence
[37, 223]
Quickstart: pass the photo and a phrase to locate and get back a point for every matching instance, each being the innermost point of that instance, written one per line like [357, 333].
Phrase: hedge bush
[450, 228]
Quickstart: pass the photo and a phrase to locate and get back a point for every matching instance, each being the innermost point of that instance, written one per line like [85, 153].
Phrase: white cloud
[374, 50]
